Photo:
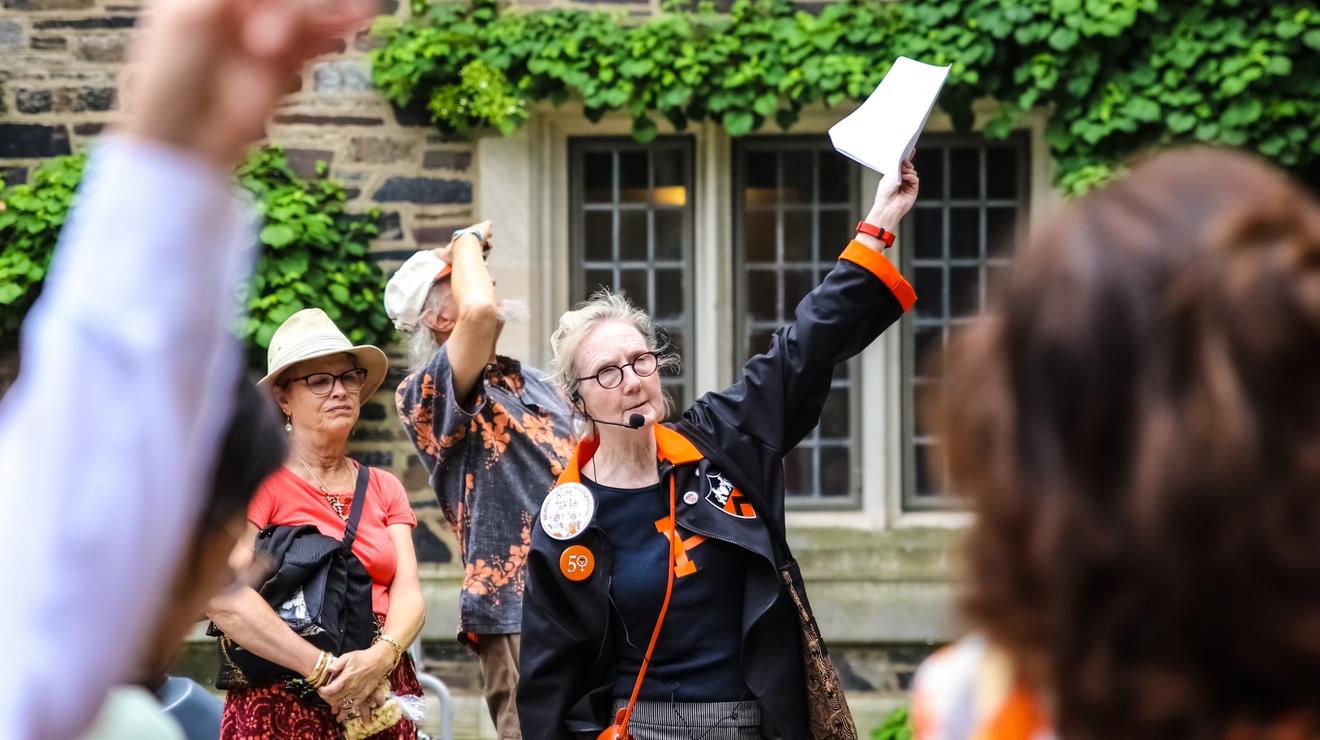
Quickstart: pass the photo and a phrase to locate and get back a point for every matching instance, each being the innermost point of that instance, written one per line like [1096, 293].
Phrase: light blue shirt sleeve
[108, 436]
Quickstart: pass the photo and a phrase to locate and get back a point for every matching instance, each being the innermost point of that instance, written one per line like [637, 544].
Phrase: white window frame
[523, 186]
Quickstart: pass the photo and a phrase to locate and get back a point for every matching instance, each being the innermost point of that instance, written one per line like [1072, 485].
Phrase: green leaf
[738, 123]
[1181, 123]
[1063, 39]
[277, 235]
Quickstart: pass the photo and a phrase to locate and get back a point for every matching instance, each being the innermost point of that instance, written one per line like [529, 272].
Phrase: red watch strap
[885, 236]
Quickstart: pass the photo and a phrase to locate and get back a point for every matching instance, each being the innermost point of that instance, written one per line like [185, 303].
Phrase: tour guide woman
[727, 662]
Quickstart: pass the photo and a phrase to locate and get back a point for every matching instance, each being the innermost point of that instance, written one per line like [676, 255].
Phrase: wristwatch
[485, 245]
[885, 236]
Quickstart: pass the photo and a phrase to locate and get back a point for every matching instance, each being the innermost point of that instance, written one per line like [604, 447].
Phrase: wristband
[485, 245]
[883, 235]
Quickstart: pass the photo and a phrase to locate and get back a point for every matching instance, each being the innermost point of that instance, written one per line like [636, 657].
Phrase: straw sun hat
[310, 334]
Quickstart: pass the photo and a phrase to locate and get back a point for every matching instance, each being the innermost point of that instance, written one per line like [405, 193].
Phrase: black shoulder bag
[318, 587]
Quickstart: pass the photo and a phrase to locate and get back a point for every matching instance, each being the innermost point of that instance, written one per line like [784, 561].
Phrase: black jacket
[742, 433]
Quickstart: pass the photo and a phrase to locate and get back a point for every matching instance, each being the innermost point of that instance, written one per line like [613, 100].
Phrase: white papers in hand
[884, 130]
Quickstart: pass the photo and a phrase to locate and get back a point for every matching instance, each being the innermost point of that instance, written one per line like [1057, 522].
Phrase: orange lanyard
[619, 730]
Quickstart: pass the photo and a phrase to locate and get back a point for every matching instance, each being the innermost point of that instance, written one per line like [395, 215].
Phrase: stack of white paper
[884, 130]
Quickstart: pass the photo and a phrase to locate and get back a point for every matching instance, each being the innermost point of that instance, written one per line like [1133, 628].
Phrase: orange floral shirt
[492, 458]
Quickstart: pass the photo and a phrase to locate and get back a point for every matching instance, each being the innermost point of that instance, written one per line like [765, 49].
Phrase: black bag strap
[355, 512]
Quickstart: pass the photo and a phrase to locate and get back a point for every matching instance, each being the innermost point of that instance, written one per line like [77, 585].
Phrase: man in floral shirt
[493, 435]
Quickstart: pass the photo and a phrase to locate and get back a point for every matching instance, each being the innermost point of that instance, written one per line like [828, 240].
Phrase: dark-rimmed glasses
[611, 376]
[322, 383]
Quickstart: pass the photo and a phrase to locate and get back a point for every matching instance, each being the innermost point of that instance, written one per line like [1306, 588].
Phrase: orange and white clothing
[967, 691]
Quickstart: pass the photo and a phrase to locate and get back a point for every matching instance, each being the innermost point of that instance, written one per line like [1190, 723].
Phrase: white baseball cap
[405, 293]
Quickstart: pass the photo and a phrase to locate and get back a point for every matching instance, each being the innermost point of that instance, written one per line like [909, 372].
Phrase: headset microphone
[635, 421]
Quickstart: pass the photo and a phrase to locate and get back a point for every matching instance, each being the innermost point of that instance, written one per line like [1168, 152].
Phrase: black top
[697, 655]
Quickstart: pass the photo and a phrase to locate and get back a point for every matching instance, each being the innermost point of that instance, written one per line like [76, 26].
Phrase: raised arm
[779, 397]
[476, 320]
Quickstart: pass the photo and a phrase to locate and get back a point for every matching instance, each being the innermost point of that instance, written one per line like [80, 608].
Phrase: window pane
[986, 203]
[679, 398]
[598, 177]
[964, 173]
[832, 178]
[834, 420]
[924, 485]
[598, 243]
[797, 236]
[633, 177]
[759, 236]
[965, 290]
[597, 279]
[668, 234]
[797, 472]
[835, 473]
[930, 168]
[797, 284]
[797, 176]
[964, 233]
[632, 283]
[758, 342]
[759, 179]
[930, 291]
[670, 180]
[928, 233]
[834, 230]
[669, 292]
[762, 295]
[929, 340]
[632, 235]
[672, 342]
[1001, 173]
[1000, 230]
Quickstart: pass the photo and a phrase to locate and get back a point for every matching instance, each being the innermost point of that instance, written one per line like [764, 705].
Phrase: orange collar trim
[669, 445]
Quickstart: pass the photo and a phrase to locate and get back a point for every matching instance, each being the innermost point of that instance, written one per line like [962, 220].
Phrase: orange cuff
[876, 264]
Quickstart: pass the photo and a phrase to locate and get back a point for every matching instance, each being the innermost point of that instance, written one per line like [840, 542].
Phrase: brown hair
[1136, 425]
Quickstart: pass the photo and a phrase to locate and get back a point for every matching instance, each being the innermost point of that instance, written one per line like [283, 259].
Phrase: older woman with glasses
[654, 608]
[320, 380]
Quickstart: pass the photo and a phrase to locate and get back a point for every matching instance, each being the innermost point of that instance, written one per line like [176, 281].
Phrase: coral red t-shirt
[286, 499]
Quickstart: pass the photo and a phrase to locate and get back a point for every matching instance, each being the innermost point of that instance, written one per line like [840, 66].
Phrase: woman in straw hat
[320, 380]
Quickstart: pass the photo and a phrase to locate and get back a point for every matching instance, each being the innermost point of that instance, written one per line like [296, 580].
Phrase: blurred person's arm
[109, 434]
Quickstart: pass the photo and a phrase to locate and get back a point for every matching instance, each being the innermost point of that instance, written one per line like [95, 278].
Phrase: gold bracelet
[394, 645]
[318, 673]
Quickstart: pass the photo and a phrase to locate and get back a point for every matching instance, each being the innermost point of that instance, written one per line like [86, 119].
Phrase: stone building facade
[873, 535]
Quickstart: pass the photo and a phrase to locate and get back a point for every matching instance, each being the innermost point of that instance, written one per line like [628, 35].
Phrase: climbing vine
[1114, 76]
[314, 252]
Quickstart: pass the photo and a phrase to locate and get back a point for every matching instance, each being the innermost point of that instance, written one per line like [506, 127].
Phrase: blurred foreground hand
[206, 74]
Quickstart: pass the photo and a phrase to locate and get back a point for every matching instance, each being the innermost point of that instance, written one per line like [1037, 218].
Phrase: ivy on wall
[1115, 76]
[314, 252]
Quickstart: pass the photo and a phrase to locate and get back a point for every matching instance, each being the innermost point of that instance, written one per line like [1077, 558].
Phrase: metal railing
[437, 687]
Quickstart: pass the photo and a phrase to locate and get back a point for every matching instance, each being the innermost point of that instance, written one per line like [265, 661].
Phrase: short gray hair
[603, 305]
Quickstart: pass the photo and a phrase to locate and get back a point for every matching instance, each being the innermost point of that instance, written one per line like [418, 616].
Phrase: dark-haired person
[727, 663]
[1136, 426]
[109, 433]
[253, 447]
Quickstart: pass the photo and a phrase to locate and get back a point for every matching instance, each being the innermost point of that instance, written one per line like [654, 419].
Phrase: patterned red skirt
[275, 713]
